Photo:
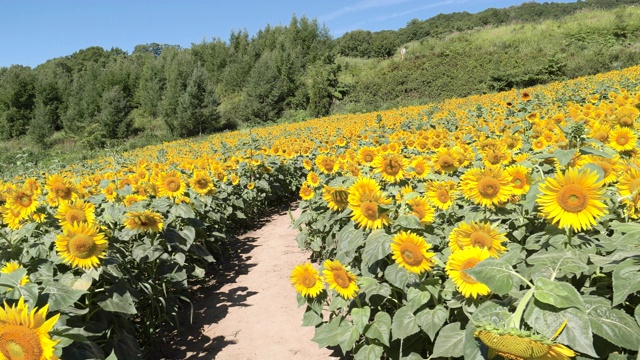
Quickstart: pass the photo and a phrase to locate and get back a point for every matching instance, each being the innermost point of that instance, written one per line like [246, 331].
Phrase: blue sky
[33, 31]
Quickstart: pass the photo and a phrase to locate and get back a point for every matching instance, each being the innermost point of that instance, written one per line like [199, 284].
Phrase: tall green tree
[17, 99]
[197, 106]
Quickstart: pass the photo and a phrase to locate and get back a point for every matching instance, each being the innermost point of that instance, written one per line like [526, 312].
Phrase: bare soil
[250, 312]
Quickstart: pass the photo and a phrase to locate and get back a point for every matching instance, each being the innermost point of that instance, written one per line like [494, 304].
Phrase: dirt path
[251, 312]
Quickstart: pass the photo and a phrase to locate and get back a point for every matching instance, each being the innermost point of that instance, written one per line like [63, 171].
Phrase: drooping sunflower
[170, 184]
[487, 187]
[422, 209]
[131, 199]
[306, 192]
[574, 199]
[521, 345]
[340, 279]
[442, 194]
[146, 220]
[24, 334]
[22, 201]
[337, 198]
[201, 182]
[410, 251]
[480, 234]
[365, 198]
[76, 212]
[622, 139]
[390, 166]
[82, 245]
[610, 166]
[463, 260]
[520, 179]
[306, 280]
[12, 266]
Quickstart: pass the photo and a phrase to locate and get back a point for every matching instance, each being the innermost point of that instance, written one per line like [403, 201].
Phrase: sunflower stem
[513, 322]
[570, 237]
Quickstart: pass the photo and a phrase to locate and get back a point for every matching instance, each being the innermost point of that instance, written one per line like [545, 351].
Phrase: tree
[264, 90]
[42, 125]
[17, 99]
[197, 106]
[114, 114]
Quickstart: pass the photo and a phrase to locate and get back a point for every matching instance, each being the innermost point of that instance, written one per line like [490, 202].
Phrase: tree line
[97, 95]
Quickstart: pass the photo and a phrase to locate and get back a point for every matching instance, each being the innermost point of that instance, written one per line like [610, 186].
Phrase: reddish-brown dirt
[251, 312]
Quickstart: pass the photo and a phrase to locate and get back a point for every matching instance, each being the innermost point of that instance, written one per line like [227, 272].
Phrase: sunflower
[422, 209]
[327, 164]
[22, 201]
[251, 185]
[610, 166]
[420, 167]
[367, 154]
[146, 220]
[307, 164]
[409, 250]
[11, 218]
[340, 279]
[442, 194]
[313, 179]
[521, 345]
[445, 161]
[132, 199]
[24, 334]
[520, 179]
[12, 266]
[496, 155]
[77, 212]
[364, 199]
[390, 166]
[337, 198]
[538, 144]
[170, 184]
[201, 182]
[466, 259]
[306, 192]
[573, 199]
[81, 245]
[478, 234]
[59, 190]
[110, 192]
[622, 139]
[306, 280]
[486, 187]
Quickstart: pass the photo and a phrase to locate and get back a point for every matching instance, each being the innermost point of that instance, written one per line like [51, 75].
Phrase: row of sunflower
[99, 256]
[492, 226]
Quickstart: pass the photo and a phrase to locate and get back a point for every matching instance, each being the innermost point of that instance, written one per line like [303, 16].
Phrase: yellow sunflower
[365, 198]
[77, 212]
[496, 155]
[146, 220]
[521, 345]
[486, 187]
[337, 198]
[340, 279]
[81, 245]
[306, 280]
[480, 234]
[170, 184]
[420, 167]
[622, 139]
[390, 166]
[574, 199]
[313, 179]
[327, 164]
[21, 201]
[132, 199]
[201, 182]
[422, 209]
[410, 251]
[59, 190]
[441, 194]
[466, 259]
[12, 219]
[24, 334]
[610, 166]
[306, 192]
[520, 179]
[110, 192]
[445, 161]
[12, 266]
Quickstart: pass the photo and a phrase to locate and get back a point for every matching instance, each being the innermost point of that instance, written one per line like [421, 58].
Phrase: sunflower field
[495, 225]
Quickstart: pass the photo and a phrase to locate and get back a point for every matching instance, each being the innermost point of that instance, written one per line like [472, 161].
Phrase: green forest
[97, 98]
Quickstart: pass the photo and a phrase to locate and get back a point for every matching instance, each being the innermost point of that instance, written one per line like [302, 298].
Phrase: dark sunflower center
[340, 196]
[202, 183]
[172, 184]
[494, 157]
[63, 193]
[76, 215]
[601, 136]
[446, 161]
[443, 196]
[82, 246]
[391, 167]
[481, 239]
[411, 254]
[308, 280]
[622, 140]
[341, 278]
[468, 264]
[419, 211]
[573, 198]
[605, 166]
[20, 342]
[368, 157]
[369, 210]
[419, 168]
[488, 187]
[518, 183]
[625, 121]
[25, 200]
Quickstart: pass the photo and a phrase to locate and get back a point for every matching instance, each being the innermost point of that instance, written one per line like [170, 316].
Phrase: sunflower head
[521, 345]
[487, 187]
[390, 166]
[340, 279]
[306, 280]
[463, 260]
[337, 198]
[146, 220]
[479, 234]
[410, 251]
[82, 245]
